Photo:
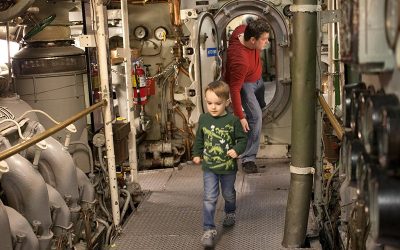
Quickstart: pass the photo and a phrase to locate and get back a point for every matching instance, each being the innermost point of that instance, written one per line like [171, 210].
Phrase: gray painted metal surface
[171, 216]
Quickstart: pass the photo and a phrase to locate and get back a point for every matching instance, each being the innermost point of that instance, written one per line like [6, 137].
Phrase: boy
[219, 140]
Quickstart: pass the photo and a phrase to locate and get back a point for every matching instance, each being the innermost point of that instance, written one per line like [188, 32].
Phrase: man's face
[261, 42]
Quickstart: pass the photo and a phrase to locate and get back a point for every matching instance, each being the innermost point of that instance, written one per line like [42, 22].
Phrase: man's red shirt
[243, 65]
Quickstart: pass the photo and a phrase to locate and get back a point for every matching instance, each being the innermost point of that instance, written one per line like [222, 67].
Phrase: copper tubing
[174, 12]
[332, 119]
[37, 138]
[184, 71]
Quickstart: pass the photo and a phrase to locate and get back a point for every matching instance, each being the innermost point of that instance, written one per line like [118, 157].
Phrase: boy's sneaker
[229, 220]
[208, 238]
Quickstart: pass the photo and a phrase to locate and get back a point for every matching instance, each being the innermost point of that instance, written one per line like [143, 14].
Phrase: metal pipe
[102, 38]
[89, 151]
[133, 164]
[30, 196]
[332, 119]
[58, 169]
[5, 231]
[175, 12]
[37, 138]
[127, 202]
[303, 71]
[16, 10]
[101, 221]
[61, 218]
[22, 232]
[87, 194]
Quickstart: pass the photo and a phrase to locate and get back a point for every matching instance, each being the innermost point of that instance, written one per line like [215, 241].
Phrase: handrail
[37, 138]
[335, 123]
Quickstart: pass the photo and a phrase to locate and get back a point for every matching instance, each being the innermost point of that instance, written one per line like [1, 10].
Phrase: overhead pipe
[99, 12]
[5, 231]
[303, 71]
[26, 192]
[22, 234]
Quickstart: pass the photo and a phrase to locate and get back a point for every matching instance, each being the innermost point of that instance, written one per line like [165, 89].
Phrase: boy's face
[215, 105]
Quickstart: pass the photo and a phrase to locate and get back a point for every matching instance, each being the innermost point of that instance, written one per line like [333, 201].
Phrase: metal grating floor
[171, 217]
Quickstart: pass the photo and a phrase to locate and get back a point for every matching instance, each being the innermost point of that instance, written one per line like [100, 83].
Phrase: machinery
[69, 177]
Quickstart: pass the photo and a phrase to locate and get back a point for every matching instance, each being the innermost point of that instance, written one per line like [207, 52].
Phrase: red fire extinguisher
[140, 90]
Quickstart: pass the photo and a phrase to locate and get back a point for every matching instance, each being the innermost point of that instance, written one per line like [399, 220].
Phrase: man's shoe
[208, 238]
[249, 167]
[229, 220]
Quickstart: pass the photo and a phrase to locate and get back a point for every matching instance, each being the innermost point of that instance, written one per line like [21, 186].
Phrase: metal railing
[332, 119]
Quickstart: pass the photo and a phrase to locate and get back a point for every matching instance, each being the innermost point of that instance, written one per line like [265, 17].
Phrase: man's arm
[236, 79]
[240, 137]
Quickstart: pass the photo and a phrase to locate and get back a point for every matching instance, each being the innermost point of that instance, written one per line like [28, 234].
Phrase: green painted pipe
[303, 72]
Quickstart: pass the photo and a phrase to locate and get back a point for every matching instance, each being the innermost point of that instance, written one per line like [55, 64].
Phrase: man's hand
[245, 125]
[232, 153]
[196, 160]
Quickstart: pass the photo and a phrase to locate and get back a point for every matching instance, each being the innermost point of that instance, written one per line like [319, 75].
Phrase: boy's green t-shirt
[214, 137]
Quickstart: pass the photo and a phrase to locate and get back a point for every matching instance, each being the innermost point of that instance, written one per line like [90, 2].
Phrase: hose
[127, 202]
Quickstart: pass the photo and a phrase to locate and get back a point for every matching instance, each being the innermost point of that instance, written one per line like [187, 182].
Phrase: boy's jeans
[211, 193]
[252, 96]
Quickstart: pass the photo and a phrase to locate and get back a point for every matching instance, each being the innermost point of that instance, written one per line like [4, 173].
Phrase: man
[243, 74]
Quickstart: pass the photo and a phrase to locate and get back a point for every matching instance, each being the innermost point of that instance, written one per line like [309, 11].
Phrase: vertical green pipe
[303, 71]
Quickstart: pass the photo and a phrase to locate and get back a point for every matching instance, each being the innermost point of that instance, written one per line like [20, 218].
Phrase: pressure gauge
[140, 32]
[99, 140]
[392, 21]
[160, 33]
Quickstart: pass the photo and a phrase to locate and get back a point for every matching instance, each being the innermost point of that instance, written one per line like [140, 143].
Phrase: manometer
[140, 32]
[99, 140]
[160, 33]
[392, 21]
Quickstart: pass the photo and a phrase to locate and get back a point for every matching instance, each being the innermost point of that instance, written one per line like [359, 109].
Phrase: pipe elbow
[16, 10]
[22, 234]
[62, 168]
[61, 214]
[5, 231]
[26, 192]
[88, 193]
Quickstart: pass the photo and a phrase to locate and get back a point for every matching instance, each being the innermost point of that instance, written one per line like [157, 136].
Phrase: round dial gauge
[392, 21]
[99, 140]
[160, 33]
[140, 32]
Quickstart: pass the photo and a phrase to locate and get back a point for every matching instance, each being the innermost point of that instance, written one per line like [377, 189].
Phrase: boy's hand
[232, 153]
[196, 160]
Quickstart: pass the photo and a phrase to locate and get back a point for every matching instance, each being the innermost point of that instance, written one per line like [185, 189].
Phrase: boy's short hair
[220, 88]
[255, 29]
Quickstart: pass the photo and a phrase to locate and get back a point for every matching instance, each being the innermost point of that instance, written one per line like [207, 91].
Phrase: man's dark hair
[255, 29]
